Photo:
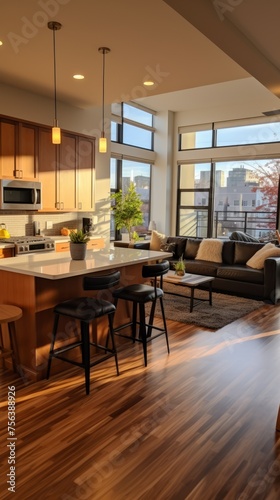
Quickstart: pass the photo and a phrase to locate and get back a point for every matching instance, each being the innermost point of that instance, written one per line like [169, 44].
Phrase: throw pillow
[244, 250]
[257, 261]
[210, 249]
[180, 244]
[168, 247]
[192, 247]
[156, 240]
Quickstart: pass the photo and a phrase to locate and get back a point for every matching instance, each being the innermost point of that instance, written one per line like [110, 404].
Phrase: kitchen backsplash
[23, 224]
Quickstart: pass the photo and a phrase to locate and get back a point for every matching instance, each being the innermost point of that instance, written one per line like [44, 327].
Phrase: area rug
[225, 308]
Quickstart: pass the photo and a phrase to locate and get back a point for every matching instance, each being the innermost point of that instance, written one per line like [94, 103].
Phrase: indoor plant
[127, 209]
[179, 267]
[135, 236]
[78, 244]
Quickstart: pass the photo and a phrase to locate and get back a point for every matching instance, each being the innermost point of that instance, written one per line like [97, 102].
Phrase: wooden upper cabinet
[8, 143]
[47, 169]
[66, 173]
[18, 150]
[85, 174]
[27, 151]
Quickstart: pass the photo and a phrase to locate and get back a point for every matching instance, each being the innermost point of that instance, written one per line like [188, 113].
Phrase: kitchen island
[37, 282]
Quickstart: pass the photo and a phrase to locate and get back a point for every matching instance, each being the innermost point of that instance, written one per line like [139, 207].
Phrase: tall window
[123, 172]
[194, 200]
[132, 125]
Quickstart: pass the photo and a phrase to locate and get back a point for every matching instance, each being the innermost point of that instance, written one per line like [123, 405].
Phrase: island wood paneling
[37, 298]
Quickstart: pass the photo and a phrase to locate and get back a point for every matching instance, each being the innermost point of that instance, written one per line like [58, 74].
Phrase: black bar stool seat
[87, 309]
[140, 295]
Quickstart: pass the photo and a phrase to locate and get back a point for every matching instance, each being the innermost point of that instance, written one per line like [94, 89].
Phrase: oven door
[34, 247]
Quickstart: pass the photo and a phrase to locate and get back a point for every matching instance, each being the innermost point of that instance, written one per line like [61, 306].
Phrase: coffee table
[191, 281]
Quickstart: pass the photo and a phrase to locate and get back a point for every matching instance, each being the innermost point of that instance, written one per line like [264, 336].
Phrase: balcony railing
[257, 224]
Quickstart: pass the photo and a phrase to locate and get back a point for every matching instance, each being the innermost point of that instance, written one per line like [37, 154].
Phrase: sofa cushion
[240, 273]
[203, 267]
[168, 247]
[210, 249]
[180, 242]
[156, 240]
[258, 259]
[228, 252]
[192, 247]
[243, 251]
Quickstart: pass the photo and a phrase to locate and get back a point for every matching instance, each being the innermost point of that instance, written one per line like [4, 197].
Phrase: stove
[30, 244]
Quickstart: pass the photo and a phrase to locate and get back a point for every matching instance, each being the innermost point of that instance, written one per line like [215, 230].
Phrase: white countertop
[55, 266]
[7, 245]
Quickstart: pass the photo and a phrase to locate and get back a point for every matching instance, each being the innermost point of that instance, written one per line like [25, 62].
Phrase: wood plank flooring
[198, 424]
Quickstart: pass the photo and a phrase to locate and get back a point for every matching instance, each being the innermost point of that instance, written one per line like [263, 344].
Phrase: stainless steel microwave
[20, 195]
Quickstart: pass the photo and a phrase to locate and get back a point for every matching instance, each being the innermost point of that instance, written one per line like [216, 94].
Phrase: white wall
[161, 195]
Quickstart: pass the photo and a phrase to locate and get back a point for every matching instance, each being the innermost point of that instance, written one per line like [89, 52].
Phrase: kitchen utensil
[4, 233]
[87, 225]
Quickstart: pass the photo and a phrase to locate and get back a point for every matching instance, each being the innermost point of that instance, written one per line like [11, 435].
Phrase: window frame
[117, 116]
[216, 126]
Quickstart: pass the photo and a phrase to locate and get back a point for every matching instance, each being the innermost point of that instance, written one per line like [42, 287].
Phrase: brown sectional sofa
[232, 275]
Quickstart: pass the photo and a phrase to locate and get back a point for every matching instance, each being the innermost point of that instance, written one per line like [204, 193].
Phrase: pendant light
[56, 134]
[103, 140]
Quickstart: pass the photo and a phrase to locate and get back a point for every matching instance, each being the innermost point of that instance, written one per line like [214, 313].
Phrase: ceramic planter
[78, 250]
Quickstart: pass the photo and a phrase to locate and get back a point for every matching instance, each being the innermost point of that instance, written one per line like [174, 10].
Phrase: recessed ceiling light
[149, 83]
[1, 43]
[78, 77]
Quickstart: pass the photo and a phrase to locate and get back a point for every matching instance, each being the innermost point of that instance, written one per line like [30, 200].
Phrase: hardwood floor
[198, 424]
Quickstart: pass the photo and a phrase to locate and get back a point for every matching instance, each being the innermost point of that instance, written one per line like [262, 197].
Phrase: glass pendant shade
[102, 145]
[56, 135]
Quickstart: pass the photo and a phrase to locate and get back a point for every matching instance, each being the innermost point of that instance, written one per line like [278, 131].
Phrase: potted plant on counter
[78, 244]
[127, 209]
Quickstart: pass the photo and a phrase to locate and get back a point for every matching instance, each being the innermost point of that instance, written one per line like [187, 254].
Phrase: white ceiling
[145, 38]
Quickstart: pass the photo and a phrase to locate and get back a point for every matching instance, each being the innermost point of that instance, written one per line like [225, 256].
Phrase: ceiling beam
[212, 18]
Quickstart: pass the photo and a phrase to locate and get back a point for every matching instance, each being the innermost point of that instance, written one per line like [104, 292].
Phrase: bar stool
[8, 315]
[86, 310]
[139, 295]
